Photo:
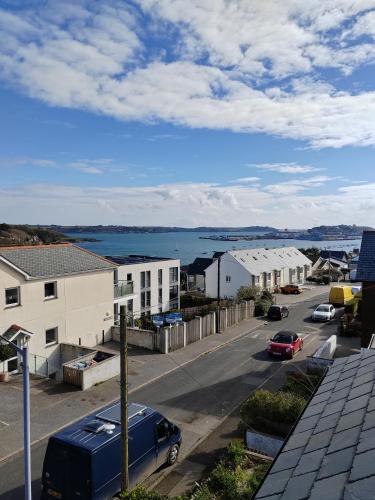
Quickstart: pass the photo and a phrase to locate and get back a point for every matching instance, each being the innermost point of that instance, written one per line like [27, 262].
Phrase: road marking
[4, 423]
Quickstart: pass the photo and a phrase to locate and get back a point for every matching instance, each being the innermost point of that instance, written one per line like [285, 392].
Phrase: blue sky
[153, 113]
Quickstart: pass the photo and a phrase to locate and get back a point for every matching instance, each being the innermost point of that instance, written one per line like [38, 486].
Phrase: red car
[285, 344]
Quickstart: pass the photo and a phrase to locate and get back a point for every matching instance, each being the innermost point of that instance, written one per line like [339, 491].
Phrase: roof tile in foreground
[47, 261]
[334, 441]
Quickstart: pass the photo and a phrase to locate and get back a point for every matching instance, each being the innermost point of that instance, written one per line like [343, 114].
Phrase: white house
[155, 283]
[52, 294]
[266, 268]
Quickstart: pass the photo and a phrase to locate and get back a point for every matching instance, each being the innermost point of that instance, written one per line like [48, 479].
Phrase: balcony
[123, 288]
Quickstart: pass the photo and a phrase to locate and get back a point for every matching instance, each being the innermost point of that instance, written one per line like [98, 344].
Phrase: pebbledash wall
[82, 311]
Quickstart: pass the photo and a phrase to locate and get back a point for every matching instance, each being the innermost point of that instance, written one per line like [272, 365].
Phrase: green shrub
[301, 384]
[247, 293]
[261, 307]
[236, 453]
[266, 295]
[140, 493]
[6, 352]
[272, 412]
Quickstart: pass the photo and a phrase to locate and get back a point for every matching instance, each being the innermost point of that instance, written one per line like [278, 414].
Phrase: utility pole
[24, 352]
[124, 400]
[329, 265]
[218, 293]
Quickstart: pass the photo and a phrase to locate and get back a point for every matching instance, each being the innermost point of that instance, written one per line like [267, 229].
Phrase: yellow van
[340, 295]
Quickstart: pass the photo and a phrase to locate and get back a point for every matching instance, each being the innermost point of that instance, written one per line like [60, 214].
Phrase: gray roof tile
[330, 488]
[275, 483]
[334, 439]
[360, 390]
[361, 490]
[336, 463]
[50, 261]
[369, 421]
[350, 420]
[344, 439]
[297, 440]
[366, 441]
[321, 440]
[310, 462]
[287, 460]
[299, 487]
[356, 404]
[363, 465]
[366, 262]
[327, 423]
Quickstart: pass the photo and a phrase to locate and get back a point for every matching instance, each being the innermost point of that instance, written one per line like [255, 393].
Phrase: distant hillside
[156, 229]
[342, 230]
[12, 235]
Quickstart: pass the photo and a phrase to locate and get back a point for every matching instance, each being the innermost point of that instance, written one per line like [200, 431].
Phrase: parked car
[324, 312]
[295, 289]
[285, 344]
[83, 461]
[278, 312]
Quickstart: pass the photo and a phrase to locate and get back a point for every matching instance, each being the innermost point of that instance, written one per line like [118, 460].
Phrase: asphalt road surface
[199, 395]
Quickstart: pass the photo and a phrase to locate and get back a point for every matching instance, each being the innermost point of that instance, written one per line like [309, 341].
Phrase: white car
[324, 312]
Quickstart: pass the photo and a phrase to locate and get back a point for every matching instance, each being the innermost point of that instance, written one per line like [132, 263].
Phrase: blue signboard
[173, 318]
[158, 320]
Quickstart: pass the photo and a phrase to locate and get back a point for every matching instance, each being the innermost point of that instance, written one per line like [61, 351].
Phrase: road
[199, 395]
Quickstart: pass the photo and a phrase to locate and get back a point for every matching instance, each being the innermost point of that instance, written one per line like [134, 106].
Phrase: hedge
[272, 412]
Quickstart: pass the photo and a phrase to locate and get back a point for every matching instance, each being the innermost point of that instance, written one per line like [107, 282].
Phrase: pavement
[196, 387]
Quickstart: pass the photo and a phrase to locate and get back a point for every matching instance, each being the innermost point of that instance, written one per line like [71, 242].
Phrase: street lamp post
[24, 351]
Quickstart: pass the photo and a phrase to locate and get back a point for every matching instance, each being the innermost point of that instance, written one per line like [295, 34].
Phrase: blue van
[83, 461]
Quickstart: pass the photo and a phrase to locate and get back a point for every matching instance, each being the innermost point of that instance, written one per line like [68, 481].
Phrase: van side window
[162, 430]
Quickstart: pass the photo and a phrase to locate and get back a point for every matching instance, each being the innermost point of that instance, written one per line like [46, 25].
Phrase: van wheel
[173, 454]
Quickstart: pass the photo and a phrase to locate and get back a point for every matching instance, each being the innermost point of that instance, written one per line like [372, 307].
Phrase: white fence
[323, 356]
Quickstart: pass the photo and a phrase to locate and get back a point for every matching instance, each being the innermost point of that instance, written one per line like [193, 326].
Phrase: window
[50, 290]
[145, 279]
[129, 277]
[228, 279]
[130, 306]
[173, 292]
[160, 276]
[268, 276]
[162, 430]
[12, 296]
[145, 299]
[173, 274]
[160, 296]
[51, 336]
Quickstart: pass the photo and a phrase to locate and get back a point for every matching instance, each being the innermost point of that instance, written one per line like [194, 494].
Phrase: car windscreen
[274, 309]
[283, 339]
[323, 309]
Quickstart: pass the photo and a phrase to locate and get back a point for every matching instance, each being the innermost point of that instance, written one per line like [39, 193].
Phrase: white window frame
[18, 303]
[53, 342]
[50, 297]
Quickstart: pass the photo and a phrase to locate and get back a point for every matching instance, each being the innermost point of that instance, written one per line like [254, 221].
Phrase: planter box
[263, 443]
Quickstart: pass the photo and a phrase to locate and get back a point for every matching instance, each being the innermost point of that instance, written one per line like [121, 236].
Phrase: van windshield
[66, 470]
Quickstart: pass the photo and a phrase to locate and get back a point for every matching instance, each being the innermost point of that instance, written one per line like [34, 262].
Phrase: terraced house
[55, 294]
[265, 268]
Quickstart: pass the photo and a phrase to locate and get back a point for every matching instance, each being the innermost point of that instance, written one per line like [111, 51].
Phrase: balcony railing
[123, 288]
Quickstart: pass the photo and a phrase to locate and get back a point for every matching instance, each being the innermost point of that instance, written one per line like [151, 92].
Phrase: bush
[6, 352]
[140, 493]
[266, 295]
[248, 293]
[261, 307]
[301, 384]
[272, 412]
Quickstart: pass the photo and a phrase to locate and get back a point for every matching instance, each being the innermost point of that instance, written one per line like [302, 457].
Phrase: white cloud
[285, 168]
[247, 180]
[187, 204]
[235, 65]
[297, 185]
